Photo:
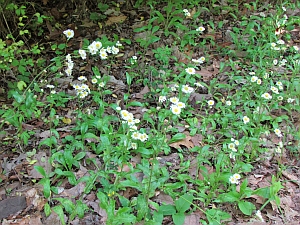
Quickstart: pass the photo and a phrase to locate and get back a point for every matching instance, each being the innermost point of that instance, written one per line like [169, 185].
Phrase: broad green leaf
[59, 211]
[21, 85]
[47, 209]
[177, 137]
[167, 210]
[246, 207]
[46, 184]
[67, 204]
[40, 170]
[184, 202]
[178, 218]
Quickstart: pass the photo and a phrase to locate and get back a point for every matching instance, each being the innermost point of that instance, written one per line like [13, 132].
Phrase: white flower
[233, 180]
[181, 105]
[275, 90]
[134, 145]
[258, 81]
[228, 103]
[254, 78]
[231, 146]
[252, 73]
[101, 84]
[266, 76]
[266, 96]
[280, 98]
[280, 42]
[114, 50]
[143, 137]
[275, 62]
[236, 142]
[190, 70]
[174, 100]
[246, 119]
[94, 80]
[211, 102]
[82, 78]
[278, 132]
[290, 100]
[134, 57]
[50, 86]
[296, 48]
[135, 135]
[125, 114]
[103, 55]
[236, 176]
[69, 33]
[53, 92]
[82, 53]
[186, 89]
[198, 84]
[162, 98]
[118, 44]
[97, 44]
[175, 109]
[68, 71]
[200, 29]
[118, 108]
[258, 214]
[92, 49]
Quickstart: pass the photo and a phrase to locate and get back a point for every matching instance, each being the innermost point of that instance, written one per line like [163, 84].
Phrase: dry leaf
[184, 142]
[115, 19]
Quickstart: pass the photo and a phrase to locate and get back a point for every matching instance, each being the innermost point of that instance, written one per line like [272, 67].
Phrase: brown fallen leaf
[184, 142]
[115, 19]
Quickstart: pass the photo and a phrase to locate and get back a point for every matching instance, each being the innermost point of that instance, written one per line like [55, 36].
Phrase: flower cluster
[129, 119]
[70, 65]
[199, 60]
[82, 90]
[235, 178]
[232, 147]
[96, 47]
[186, 13]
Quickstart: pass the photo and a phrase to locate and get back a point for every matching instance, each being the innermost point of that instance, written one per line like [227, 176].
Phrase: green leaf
[59, 210]
[21, 85]
[177, 137]
[167, 210]
[40, 170]
[246, 207]
[47, 209]
[263, 192]
[80, 209]
[61, 46]
[135, 103]
[90, 136]
[79, 156]
[232, 196]
[184, 202]
[67, 204]
[178, 218]
[46, 184]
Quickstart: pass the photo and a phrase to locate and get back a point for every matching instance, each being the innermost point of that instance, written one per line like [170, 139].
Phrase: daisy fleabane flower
[69, 33]
[254, 78]
[174, 100]
[175, 109]
[190, 70]
[228, 103]
[200, 29]
[211, 102]
[180, 105]
[246, 119]
[82, 53]
[234, 179]
[162, 98]
[187, 89]
[278, 132]
[266, 96]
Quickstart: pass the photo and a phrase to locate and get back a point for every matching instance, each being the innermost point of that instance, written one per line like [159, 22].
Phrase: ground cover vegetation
[150, 112]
